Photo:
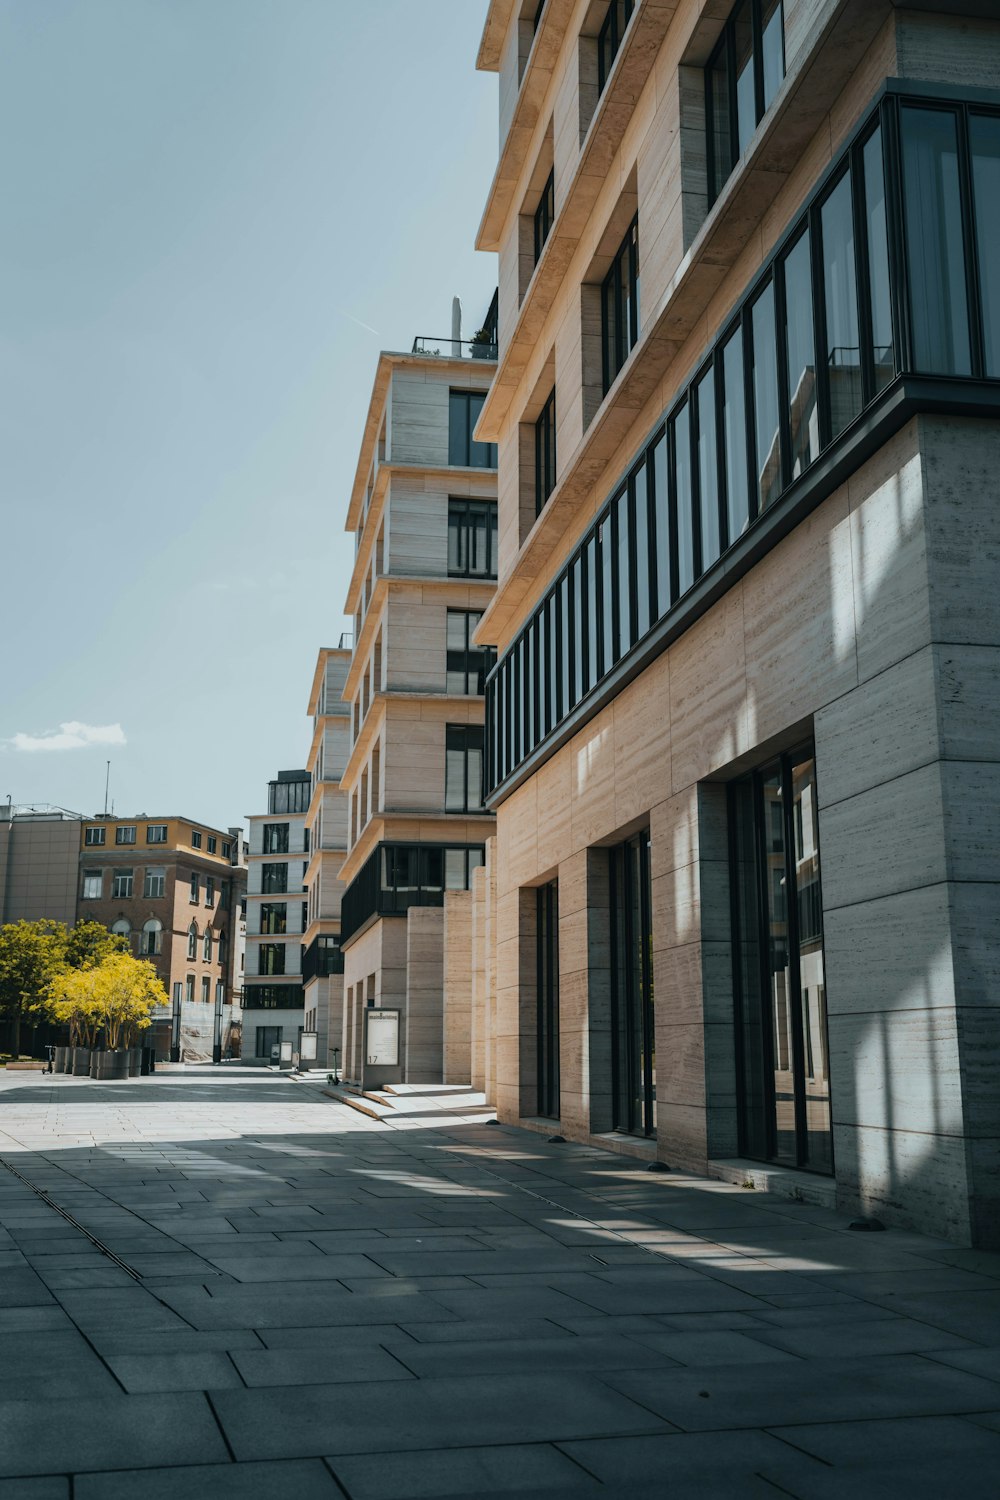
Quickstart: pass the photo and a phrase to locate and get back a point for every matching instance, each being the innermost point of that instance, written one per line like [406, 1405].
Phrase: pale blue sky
[199, 198]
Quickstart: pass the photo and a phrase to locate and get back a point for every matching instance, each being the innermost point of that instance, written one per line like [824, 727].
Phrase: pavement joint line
[65, 1214]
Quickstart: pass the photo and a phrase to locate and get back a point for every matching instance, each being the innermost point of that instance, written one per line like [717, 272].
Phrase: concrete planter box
[134, 1062]
[95, 1064]
[113, 1064]
[81, 1062]
[59, 1061]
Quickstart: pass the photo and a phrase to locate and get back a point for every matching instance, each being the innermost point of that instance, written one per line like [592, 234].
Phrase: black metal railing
[454, 348]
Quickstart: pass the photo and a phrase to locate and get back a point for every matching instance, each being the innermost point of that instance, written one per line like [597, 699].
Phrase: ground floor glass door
[633, 1038]
[548, 1000]
[268, 1037]
[779, 981]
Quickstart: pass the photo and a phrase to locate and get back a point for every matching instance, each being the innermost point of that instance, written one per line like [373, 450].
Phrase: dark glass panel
[625, 588]
[547, 909]
[565, 648]
[878, 262]
[708, 470]
[800, 352]
[661, 511]
[751, 1018]
[721, 142]
[746, 88]
[935, 250]
[772, 46]
[641, 515]
[579, 630]
[840, 294]
[811, 974]
[765, 398]
[593, 609]
[606, 542]
[683, 499]
[984, 133]
[778, 967]
[734, 434]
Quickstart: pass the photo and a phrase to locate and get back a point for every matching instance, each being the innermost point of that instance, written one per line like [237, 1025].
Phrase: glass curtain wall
[778, 981]
[889, 272]
[547, 898]
[633, 1038]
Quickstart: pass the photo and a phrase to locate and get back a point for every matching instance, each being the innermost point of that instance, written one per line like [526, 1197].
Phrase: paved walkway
[314, 1303]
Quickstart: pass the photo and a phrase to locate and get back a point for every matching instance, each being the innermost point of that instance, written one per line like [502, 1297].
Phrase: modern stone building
[743, 734]
[174, 889]
[276, 920]
[423, 513]
[39, 863]
[326, 822]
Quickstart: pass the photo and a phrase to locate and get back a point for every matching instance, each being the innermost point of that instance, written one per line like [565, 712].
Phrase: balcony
[454, 348]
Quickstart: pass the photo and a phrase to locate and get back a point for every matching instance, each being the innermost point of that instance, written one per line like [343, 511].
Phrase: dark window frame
[633, 1028]
[610, 38]
[461, 739]
[620, 323]
[269, 875]
[464, 451]
[274, 838]
[547, 999]
[724, 54]
[545, 452]
[544, 215]
[99, 837]
[122, 834]
[466, 518]
[468, 662]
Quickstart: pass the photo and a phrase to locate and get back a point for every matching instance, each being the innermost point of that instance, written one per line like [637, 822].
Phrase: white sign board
[307, 1044]
[382, 1038]
[286, 1052]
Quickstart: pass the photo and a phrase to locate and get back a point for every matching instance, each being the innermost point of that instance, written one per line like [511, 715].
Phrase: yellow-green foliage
[116, 996]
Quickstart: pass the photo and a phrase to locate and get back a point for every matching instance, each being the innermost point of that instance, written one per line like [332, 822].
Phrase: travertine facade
[423, 512]
[743, 729]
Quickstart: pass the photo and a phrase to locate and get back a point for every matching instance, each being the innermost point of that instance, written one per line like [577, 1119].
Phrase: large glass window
[468, 663]
[683, 499]
[620, 306]
[94, 835]
[463, 788]
[156, 833]
[93, 885]
[289, 796]
[121, 884]
[547, 1027]
[985, 142]
[544, 214]
[609, 38]
[802, 413]
[743, 75]
[463, 414]
[734, 434]
[779, 983]
[877, 247]
[545, 452]
[154, 883]
[274, 878]
[935, 246]
[275, 838]
[707, 467]
[271, 958]
[125, 834]
[840, 307]
[633, 1038]
[657, 472]
[151, 940]
[273, 917]
[764, 384]
[472, 538]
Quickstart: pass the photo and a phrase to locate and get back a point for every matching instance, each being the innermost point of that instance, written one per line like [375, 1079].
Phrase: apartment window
[209, 890]
[122, 929]
[620, 306]
[212, 843]
[544, 214]
[273, 917]
[156, 833]
[154, 883]
[463, 791]
[206, 989]
[289, 796]
[633, 1035]
[398, 876]
[743, 75]
[468, 664]
[272, 997]
[274, 879]
[323, 956]
[305, 840]
[275, 839]
[609, 38]
[93, 885]
[224, 896]
[152, 938]
[94, 835]
[545, 452]
[195, 839]
[778, 980]
[472, 538]
[125, 834]
[935, 238]
[463, 414]
[206, 951]
[271, 958]
[189, 987]
[227, 850]
[192, 948]
[195, 888]
[121, 884]
[547, 1029]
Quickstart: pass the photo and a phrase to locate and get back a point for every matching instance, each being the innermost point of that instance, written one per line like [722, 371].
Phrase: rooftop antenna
[107, 780]
[456, 326]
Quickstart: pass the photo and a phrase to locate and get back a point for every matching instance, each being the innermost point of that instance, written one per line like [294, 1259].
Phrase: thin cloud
[72, 736]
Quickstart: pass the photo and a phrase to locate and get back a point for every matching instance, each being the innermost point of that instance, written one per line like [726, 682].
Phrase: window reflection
[935, 248]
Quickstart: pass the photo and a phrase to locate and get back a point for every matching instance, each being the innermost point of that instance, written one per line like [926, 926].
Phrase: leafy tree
[31, 955]
[75, 1005]
[89, 943]
[117, 995]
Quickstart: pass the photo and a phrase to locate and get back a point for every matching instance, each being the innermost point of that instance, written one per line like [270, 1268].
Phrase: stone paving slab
[434, 1305]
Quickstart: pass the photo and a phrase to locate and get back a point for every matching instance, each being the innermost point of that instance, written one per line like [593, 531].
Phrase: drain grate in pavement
[64, 1213]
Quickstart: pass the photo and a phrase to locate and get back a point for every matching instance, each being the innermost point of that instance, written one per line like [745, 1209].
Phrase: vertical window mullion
[974, 295]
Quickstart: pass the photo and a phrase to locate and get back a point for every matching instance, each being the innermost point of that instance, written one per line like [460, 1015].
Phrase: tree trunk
[15, 1046]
